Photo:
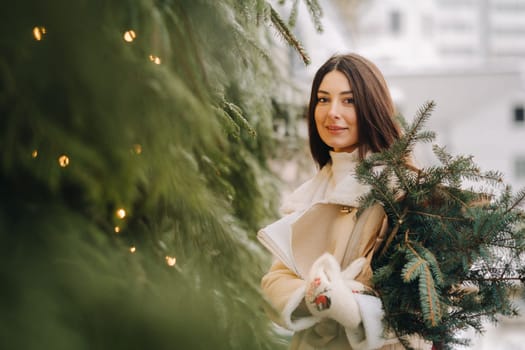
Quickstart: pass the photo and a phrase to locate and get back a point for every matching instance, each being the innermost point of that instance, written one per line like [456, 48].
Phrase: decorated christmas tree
[454, 255]
[134, 137]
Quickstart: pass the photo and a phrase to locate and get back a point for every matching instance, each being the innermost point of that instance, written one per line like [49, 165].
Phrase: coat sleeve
[367, 236]
[284, 290]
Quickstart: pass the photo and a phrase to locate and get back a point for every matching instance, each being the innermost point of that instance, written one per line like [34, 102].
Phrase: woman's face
[335, 115]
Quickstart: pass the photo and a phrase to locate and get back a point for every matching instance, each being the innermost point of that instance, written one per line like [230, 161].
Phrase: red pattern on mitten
[328, 295]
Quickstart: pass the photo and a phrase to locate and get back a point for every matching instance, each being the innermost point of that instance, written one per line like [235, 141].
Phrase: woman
[319, 284]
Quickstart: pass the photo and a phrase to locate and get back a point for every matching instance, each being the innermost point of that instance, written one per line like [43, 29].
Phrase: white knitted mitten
[330, 292]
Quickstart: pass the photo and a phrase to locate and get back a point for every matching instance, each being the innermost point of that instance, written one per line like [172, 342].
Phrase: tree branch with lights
[134, 139]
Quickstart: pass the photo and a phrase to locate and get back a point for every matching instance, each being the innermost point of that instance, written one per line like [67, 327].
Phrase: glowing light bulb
[171, 260]
[39, 32]
[129, 35]
[137, 148]
[154, 59]
[34, 154]
[132, 249]
[63, 161]
[117, 229]
[121, 213]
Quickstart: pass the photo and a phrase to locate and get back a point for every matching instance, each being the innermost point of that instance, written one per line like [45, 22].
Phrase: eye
[349, 100]
[322, 99]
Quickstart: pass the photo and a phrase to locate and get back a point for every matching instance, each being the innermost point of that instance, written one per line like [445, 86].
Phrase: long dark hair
[375, 110]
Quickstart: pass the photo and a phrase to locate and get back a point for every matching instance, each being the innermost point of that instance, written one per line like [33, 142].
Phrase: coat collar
[335, 183]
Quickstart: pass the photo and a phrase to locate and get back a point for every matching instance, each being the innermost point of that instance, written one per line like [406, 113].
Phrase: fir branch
[194, 52]
[447, 191]
[394, 232]
[436, 216]
[469, 232]
[498, 279]
[315, 13]
[235, 113]
[443, 156]
[287, 35]
[175, 203]
[517, 200]
[419, 267]
[413, 269]
[403, 123]
[292, 19]
[379, 183]
[229, 125]
[398, 170]
[403, 147]
[426, 136]
[422, 115]
[245, 40]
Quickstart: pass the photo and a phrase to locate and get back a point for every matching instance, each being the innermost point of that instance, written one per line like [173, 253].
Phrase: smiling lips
[334, 129]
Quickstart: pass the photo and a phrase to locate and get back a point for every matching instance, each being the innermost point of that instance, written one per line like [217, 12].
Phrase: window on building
[519, 167]
[395, 22]
[519, 114]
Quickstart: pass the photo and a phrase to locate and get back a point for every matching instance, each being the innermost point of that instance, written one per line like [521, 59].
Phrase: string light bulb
[39, 32]
[171, 260]
[63, 161]
[132, 249]
[129, 35]
[117, 229]
[34, 154]
[154, 59]
[137, 148]
[121, 213]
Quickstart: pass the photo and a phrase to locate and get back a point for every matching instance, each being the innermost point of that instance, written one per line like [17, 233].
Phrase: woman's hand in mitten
[351, 272]
[327, 293]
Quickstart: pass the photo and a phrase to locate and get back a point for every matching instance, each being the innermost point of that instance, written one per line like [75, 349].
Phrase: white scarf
[334, 183]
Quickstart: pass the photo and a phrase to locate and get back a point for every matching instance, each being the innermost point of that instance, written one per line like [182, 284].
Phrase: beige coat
[325, 226]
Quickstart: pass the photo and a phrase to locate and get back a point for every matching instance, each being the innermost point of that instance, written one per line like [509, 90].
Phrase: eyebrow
[342, 93]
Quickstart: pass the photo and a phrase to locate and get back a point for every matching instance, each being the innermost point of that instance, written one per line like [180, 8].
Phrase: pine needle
[287, 35]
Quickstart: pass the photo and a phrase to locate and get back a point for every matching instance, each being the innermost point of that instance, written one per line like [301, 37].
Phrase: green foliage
[181, 146]
[454, 253]
[422, 266]
[314, 9]
[287, 35]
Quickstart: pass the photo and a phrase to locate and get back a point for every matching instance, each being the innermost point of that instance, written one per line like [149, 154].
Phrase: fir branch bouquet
[453, 255]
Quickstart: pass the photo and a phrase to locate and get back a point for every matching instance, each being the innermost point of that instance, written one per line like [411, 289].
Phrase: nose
[335, 109]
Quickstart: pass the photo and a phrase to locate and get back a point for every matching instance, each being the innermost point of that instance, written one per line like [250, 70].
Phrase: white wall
[474, 113]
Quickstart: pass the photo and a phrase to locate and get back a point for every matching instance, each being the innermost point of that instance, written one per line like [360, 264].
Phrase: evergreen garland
[454, 254]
